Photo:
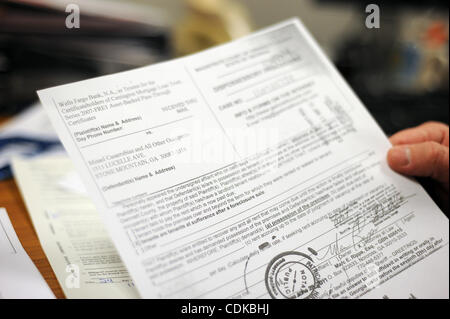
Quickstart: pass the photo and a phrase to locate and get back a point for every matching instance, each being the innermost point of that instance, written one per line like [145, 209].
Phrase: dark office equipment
[38, 51]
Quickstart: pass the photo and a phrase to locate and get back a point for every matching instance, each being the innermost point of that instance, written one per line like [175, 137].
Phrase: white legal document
[250, 170]
[19, 277]
[71, 233]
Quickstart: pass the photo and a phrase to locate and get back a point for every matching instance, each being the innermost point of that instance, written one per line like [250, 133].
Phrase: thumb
[429, 159]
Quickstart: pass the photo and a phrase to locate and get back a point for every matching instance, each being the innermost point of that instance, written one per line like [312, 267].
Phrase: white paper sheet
[71, 233]
[250, 170]
[73, 183]
[19, 277]
[33, 122]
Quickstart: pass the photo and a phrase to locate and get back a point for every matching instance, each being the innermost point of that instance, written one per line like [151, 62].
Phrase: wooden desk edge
[11, 200]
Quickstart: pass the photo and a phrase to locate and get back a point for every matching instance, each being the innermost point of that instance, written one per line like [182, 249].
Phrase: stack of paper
[71, 233]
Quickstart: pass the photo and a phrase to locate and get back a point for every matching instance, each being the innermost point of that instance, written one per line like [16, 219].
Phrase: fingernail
[401, 155]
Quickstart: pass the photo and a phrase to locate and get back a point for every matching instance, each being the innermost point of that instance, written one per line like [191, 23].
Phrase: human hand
[423, 151]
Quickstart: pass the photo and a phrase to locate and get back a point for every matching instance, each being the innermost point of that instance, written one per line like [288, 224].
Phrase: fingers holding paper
[422, 151]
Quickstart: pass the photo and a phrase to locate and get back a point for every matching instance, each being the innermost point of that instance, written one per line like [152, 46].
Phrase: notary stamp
[292, 275]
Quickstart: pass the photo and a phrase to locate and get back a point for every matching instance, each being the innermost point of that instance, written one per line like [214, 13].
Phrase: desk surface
[11, 199]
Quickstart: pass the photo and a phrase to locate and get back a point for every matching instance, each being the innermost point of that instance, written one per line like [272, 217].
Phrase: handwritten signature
[362, 228]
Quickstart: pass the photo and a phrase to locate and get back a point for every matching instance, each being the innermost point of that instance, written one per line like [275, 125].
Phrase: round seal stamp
[292, 275]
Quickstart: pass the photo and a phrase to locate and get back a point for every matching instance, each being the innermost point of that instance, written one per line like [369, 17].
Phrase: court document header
[250, 170]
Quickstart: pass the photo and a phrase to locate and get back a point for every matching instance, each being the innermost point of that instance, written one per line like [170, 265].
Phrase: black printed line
[213, 114]
[7, 237]
[322, 261]
[140, 131]
[293, 187]
[268, 79]
[196, 268]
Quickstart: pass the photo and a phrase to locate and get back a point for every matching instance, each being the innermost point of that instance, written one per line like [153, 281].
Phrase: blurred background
[400, 71]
